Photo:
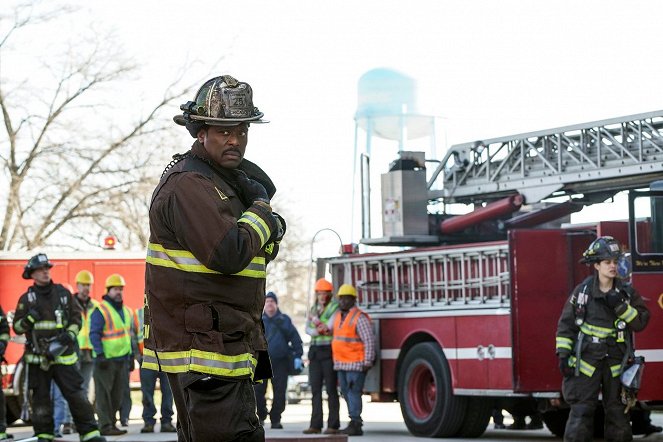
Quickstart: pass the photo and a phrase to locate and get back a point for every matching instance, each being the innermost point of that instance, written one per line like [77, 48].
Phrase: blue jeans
[352, 386]
[148, 381]
[61, 413]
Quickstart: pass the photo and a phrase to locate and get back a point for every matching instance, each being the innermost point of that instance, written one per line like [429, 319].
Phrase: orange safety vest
[347, 347]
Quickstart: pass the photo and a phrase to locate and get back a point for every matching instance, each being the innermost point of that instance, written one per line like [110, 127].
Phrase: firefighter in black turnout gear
[51, 321]
[594, 343]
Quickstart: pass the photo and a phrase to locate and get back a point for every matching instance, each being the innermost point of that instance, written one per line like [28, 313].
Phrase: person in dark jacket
[50, 320]
[594, 342]
[110, 335]
[212, 234]
[283, 343]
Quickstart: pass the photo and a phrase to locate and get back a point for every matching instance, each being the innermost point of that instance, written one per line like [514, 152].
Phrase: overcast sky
[485, 68]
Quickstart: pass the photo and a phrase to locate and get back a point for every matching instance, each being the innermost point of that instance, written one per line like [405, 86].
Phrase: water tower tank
[387, 106]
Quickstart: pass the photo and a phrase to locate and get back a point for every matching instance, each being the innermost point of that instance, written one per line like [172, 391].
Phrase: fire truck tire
[477, 417]
[428, 405]
[555, 420]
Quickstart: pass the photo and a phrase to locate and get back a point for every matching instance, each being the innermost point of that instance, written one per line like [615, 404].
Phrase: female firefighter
[594, 344]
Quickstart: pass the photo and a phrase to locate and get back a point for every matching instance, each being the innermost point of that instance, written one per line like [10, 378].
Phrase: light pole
[310, 268]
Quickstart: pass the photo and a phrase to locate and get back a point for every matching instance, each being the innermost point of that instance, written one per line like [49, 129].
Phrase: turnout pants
[70, 383]
[582, 392]
[321, 372]
[215, 409]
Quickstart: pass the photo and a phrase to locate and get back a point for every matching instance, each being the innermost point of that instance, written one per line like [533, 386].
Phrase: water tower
[387, 109]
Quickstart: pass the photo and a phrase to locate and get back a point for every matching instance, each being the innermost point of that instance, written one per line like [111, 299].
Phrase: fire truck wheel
[428, 405]
[477, 417]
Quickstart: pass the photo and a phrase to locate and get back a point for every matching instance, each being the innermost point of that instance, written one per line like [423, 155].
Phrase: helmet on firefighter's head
[115, 280]
[347, 290]
[221, 101]
[84, 277]
[36, 262]
[604, 247]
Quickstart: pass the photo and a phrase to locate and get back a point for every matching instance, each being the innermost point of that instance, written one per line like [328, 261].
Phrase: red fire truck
[131, 265]
[466, 312]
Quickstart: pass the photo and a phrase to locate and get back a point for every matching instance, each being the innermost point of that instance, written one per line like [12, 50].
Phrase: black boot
[353, 429]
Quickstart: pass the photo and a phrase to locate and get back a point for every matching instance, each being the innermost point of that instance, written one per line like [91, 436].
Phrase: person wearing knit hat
[285, 349]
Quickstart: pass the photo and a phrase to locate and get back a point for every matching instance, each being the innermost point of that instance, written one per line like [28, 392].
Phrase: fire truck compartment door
[544, 269]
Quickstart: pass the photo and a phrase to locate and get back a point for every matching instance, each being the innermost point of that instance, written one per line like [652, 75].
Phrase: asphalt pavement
[382, 421]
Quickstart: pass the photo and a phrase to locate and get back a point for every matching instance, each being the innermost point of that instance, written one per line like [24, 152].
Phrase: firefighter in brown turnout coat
[212, 232]
[594, 344]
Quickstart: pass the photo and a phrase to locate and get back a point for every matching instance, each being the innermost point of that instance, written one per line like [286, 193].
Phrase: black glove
[280, 231]
[3, 348]
[564, 368]
[614, 298]
[66, 338]
[253, 190]
[33, 315]
[101, 362]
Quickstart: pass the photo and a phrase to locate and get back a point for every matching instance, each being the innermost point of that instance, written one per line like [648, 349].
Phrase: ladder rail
[555, 160]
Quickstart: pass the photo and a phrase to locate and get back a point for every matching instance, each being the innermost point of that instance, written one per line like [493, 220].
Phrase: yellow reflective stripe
[4, 337]
[241, 365]
[176, 259]
[67, 360]
[184, 261]
[45, 436]
[615, 370]
[46, 325]
[595, 330]
[629, 315]
[256, 223]
[90, 435]
[256, 269]
[565, 343]
[73, 328]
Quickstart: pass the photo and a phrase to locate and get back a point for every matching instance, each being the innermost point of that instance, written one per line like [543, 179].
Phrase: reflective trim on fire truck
[185, 261]
[595, 330]
[585, 368]
[564, 343]
[629, 315]
[256, 223]
[241, 365]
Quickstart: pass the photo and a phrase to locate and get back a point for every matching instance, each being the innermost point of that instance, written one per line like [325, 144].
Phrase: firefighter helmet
[84, 277]
[347, 289]
[604, 247]
[221, 101]
[322, 285]
[56, 348]
[36, 262]
[115, 280]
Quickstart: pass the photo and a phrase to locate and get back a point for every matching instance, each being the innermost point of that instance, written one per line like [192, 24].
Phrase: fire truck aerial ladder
[465, 316]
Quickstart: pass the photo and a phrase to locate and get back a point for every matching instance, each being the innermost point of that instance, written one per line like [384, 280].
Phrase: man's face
[270, 307]
[83, 291]
[42, 276]
[226, 145]
[346, 302]
[115, 293]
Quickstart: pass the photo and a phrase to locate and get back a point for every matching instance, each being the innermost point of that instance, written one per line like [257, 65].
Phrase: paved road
[383, 421]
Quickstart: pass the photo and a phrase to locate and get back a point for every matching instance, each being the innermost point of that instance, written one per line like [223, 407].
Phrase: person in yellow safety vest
[320, 364]
[84, 281]
[353, 350]
[110, 334]
[51, 320]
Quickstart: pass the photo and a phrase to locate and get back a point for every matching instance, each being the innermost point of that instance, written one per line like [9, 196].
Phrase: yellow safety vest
[116, 338]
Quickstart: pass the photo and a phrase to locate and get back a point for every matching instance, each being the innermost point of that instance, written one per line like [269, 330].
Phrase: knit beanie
[273, 296]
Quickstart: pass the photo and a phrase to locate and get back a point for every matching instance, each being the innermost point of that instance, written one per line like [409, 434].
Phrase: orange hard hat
[322, 285]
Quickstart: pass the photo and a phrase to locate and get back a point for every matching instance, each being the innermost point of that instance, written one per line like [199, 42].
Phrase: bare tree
[64, 176]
